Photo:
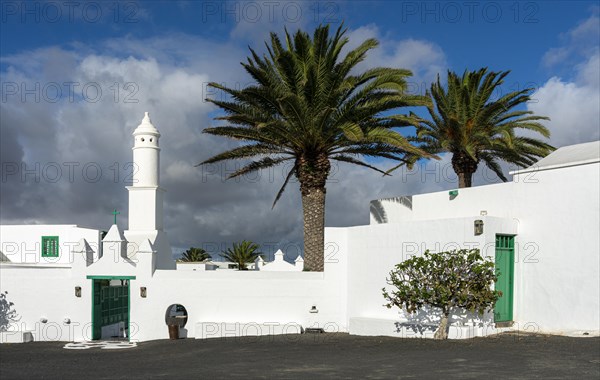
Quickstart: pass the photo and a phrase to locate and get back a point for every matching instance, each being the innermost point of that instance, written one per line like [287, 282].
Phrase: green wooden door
[505, 258]
[96, 308]
[110, 304]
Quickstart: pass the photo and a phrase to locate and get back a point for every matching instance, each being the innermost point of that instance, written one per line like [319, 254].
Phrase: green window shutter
[50, 246]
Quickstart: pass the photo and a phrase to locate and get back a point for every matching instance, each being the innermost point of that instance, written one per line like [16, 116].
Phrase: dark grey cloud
[90, 141]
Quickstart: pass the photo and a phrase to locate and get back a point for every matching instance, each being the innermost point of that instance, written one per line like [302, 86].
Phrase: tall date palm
[467, 122]
[309, 107]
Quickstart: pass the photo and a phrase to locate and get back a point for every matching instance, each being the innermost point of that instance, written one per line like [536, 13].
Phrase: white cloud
[581, 41]
[572, 108]
[573, 103]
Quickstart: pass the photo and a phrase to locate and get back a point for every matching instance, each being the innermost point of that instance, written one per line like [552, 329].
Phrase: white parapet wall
[555, 212]
[23, 243]
[54, 302]
[43, 298]
[221, 302]
[372, 252]
[192, 266]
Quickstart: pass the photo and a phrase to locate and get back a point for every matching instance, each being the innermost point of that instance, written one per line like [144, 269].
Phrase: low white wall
[227, 296]
[47, 293]
[557, 260]
[23, 243]
[374, 250]
[245, 297]
[559, 269]
[236, 297]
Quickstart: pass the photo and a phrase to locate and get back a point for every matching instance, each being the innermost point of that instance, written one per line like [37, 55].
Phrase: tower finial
[146, 126]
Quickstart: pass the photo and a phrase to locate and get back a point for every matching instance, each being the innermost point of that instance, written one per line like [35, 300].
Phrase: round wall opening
[176, 315]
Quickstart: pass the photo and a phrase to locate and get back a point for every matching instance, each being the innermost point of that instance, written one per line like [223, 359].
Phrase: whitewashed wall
[237, 298]
[47, 293]
[557, 212]
[373, 251]
[246, 297]
[234, 297]
[23, 243]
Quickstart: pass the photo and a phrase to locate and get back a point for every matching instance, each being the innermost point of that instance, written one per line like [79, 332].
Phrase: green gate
[110, 303]
[505, 258]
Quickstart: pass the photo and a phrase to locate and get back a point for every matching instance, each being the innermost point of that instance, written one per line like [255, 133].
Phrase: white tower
[146, 195]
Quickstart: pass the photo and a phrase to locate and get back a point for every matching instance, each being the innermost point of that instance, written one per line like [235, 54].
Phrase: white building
[547, 219]
[67, 284]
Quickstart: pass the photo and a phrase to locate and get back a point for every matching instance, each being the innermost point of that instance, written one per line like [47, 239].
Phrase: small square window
[49, 246]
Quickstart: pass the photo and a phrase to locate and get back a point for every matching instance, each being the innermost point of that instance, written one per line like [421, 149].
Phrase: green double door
[505, 258]
[110, 303]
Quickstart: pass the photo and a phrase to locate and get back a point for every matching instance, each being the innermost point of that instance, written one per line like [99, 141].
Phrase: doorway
[111, 307]
[505, 258]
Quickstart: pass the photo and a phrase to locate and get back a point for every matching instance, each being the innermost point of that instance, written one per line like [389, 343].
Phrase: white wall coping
[34, 265]
[51, 225]
[555, 166]
[239, 274]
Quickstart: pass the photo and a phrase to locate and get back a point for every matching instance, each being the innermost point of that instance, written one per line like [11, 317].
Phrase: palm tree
[193, 255]
[242, 254]
[308, 108]
[468, 123]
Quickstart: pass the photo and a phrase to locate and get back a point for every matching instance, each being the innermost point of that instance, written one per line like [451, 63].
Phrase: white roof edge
[35, 265]
[556, 166]
[53, 225]
[40, 225]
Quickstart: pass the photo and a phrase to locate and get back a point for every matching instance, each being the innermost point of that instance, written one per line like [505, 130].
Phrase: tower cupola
[146, 154]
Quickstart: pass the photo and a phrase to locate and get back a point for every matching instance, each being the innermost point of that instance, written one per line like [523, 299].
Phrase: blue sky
[502, 34]
[124, 58]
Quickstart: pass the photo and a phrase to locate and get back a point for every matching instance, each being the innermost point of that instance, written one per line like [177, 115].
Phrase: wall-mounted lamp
[67, 321]
[78, 291]
[483, 212]
[313, 309]
[478, 227]
[43, 320]
[143, 291]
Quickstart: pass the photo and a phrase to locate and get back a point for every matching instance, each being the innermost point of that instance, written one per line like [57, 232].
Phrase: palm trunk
[464, 166]
[442, 331]
[312, 172]
[313, 208]
[465, 180]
